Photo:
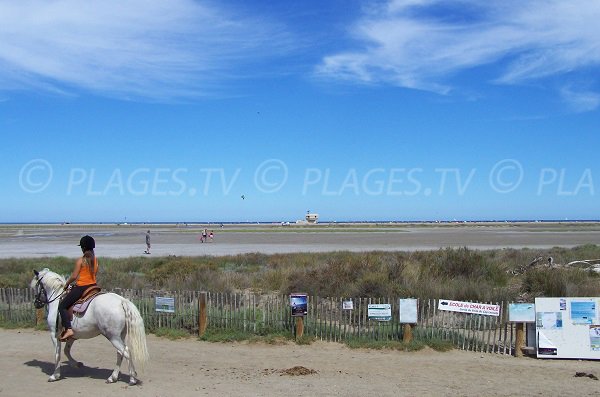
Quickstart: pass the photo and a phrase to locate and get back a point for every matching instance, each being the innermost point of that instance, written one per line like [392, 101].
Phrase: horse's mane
[52, 280]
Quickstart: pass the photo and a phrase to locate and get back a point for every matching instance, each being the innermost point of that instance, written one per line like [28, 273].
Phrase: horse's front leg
[56, 375]
[72, 362]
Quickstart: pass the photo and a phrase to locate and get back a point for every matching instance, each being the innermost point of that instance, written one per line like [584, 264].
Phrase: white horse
[108, 314]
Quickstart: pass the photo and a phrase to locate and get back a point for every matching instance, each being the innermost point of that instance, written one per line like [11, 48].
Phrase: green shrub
[440, 345]
[462, 274]
[225, 335]
[413, 345]
[561, 282]
[172, 334]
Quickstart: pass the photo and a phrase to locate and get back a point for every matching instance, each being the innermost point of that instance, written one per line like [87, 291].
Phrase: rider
[84, 276]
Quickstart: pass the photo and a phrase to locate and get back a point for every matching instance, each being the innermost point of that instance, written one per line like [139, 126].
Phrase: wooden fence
[325, 320]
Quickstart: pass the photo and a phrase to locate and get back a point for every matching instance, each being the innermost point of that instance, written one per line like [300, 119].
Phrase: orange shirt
[87, 274]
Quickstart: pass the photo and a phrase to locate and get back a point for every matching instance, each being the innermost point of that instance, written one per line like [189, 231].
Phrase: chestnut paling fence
[326, 319]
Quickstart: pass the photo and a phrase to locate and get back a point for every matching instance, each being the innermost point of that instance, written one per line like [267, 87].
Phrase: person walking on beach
[84, 276]
[147, 242]
[204, 236]
[211, 235]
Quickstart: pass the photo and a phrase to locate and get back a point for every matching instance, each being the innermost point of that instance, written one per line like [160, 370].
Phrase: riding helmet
[87, 243]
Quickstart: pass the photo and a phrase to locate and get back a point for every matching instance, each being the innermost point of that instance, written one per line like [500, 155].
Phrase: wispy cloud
[423, 43]
[150, 49]
[580, 100]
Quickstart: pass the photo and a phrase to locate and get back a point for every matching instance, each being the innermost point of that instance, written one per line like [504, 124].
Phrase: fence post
[39, 316]
[202, 313]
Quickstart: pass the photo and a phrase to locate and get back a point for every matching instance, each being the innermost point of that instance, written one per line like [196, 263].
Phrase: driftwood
[592, 264]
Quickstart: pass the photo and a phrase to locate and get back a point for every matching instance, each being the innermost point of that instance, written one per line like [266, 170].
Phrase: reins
[38, 302]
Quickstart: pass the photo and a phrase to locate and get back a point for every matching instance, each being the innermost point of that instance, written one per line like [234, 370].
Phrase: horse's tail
[136, 335]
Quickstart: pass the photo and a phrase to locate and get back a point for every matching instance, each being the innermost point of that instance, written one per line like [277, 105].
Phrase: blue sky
[374, 110]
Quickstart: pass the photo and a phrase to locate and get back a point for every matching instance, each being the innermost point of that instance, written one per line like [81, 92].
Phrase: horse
[108, 314]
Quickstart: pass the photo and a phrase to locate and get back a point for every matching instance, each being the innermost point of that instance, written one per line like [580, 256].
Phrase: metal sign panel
[380, 312]
[164, 304]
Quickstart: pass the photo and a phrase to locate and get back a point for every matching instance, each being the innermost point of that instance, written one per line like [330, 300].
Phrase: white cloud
[136, 48]
[580, 100]
[423, 43]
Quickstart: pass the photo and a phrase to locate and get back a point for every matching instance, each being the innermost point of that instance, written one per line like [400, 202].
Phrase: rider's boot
[67, 333]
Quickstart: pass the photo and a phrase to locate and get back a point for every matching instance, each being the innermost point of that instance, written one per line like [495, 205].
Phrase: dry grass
[462, 274]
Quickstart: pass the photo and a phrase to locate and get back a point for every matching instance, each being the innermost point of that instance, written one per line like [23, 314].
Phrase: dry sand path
[192, 368]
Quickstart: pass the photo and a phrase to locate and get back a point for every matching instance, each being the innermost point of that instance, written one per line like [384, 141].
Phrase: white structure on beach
[312, 218]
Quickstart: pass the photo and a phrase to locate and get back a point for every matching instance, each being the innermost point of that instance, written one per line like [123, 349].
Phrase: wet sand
[129, 240]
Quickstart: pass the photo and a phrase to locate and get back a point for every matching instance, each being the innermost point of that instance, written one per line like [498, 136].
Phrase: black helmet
[87, 243]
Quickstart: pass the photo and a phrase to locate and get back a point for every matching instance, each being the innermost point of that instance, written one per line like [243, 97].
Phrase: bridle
[41, 301]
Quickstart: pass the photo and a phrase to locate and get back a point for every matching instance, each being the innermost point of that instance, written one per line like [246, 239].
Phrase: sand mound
[297, 371]
[294, 371]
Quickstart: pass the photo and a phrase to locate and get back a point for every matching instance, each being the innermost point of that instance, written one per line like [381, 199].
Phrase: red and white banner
[469, 307]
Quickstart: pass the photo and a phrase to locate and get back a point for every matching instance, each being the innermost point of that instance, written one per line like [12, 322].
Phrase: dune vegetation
[461, 274]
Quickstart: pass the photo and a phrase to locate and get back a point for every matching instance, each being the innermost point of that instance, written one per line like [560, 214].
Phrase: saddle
[82, 304]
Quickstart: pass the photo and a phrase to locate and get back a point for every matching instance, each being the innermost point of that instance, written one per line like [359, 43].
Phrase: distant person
[147, 242]
[204, 235]
[211, 235]
[84, 276]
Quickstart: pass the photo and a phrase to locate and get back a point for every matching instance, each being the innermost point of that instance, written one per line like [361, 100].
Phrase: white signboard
[408, 311]
[568, 328]
[469, 307]
[380, 312]
[348, 305]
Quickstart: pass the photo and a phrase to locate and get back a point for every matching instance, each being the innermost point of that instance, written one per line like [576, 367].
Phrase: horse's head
[38, 277]
[46, 282]
[40, 292]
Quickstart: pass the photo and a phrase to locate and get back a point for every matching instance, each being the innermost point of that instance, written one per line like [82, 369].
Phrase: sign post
[407, 333]
[408, 316]
[520, 341]
[299, 327]
[521, 313]
[39, 316]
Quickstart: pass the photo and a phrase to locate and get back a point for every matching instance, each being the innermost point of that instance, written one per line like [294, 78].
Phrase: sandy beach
[192, 368]
[129, 240]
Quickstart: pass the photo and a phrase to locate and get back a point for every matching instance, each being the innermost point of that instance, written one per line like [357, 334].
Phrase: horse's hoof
[111, 380]
[132, 382]
[53, 378]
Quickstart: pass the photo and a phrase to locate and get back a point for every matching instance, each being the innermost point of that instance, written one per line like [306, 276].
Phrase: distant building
[312, 218]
